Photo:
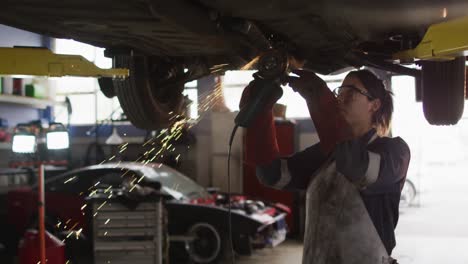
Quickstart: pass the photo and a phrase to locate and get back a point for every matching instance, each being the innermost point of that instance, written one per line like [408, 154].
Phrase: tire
[147, 106]
[209, 246]
[408, 193]
[443, 91]
[106, 85]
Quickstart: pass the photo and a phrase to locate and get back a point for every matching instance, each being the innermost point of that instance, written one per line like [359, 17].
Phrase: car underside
[168, 43]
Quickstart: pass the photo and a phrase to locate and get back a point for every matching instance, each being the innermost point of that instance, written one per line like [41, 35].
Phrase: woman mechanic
[353, 177]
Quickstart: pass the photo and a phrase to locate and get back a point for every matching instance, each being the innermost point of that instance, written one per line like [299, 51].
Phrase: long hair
[381, 118]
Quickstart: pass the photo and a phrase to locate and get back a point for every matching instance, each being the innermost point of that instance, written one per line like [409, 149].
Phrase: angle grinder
[273, 68]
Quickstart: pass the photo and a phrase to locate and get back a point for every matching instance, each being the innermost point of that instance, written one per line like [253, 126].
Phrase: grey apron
[339, 229]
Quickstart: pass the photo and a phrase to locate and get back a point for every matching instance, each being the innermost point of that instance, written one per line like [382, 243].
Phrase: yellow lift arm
[442, 41]
[42, 62]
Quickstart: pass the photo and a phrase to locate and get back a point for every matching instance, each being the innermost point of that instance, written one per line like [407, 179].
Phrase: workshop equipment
[126, 230]
[42, 62]
[273, 67]
[25, 142]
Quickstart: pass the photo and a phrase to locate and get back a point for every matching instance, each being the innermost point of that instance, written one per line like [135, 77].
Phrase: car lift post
[42, 62]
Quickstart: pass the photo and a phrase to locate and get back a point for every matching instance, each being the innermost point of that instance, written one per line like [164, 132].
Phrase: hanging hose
[231, 247]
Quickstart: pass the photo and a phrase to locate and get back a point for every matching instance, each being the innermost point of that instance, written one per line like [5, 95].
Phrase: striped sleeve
[294, 172]
[372, 172]
[388, 164]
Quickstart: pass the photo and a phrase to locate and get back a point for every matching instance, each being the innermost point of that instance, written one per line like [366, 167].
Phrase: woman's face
[356, 108]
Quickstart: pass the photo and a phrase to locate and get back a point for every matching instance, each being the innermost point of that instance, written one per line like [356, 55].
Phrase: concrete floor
[289, 252]
[437, 230]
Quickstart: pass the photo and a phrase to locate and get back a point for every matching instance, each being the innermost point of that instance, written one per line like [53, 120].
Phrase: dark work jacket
[381, 196]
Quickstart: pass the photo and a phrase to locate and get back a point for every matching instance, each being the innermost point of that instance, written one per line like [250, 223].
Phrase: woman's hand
[331, 127]
[308, 85]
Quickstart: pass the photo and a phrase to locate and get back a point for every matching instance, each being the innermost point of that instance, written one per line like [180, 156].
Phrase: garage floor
[288, 252]
[436, 231]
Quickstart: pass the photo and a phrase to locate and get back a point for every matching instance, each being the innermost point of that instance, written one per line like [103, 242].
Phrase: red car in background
[197, 218]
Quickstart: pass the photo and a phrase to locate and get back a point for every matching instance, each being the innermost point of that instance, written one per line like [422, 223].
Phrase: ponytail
[382, 118]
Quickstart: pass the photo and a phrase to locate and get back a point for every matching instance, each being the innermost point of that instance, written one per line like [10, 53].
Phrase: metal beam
[442, 41]
[42, 62]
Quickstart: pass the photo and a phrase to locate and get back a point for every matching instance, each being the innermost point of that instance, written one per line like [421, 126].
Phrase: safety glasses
[340, 91]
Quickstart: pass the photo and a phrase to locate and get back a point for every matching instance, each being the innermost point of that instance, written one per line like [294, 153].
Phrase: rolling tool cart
[127, 231]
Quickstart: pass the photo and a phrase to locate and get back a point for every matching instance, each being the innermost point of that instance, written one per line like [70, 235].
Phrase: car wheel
[107, 86]
[408, 193]
[208, 245]
[443, 91]
[146, 105]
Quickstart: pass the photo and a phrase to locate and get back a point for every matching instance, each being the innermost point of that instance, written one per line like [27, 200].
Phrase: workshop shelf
[28, 101]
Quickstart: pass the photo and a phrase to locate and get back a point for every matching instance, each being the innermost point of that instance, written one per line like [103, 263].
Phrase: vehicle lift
[42, 62]
[442, 41]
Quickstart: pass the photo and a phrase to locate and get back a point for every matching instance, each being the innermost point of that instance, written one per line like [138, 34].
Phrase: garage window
[191, 91]
[83, 91]
[234, 83]
[86, 92]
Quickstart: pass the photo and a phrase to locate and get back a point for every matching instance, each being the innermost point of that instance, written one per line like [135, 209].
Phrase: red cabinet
[286, 138]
